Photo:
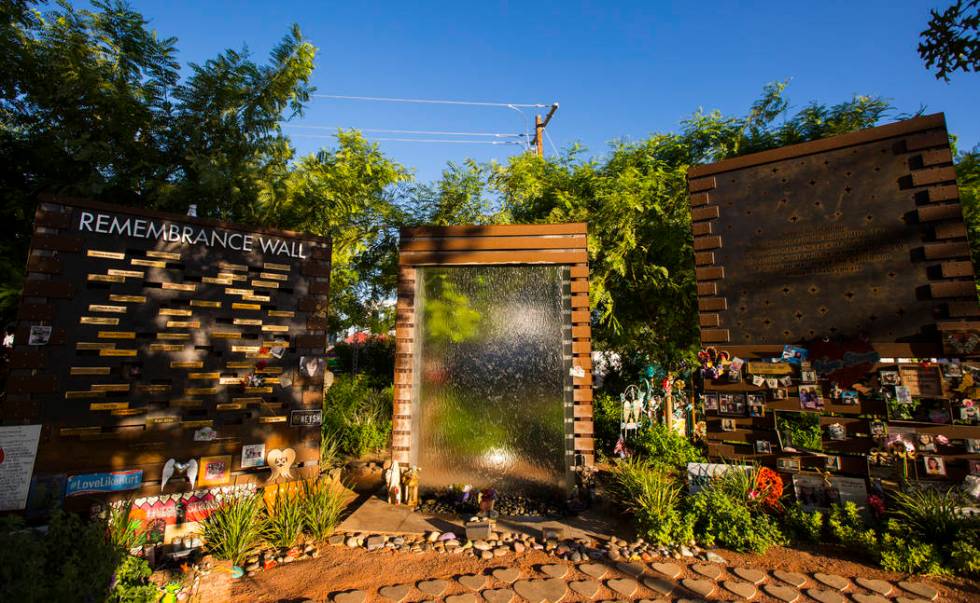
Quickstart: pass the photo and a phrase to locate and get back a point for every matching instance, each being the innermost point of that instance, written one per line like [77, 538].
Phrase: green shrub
[375, 360]
[719, 518]
[75, 560]
[357, 415]
[654, 496]
[848, 527]
[800, 524]
[965, 555]
[666, 447]
[132, 584]
[234, 529]
[607, 413]
[900, 551]
[323, 503]
[284, 517]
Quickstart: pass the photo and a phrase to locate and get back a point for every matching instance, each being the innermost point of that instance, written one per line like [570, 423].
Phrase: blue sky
[618, 69]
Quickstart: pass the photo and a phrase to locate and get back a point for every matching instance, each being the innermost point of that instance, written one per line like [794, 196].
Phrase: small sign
[18, 449]
[922, 381]
[306, 418]
[39, 335]
[116, 481]
[769, 368]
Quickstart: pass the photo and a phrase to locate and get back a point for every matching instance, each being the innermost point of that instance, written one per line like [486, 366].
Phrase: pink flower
[968, 403]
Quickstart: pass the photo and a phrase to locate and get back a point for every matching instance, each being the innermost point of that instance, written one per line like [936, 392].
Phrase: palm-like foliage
[936, 515]
[235, 529]
[323, 503]
[284, 519]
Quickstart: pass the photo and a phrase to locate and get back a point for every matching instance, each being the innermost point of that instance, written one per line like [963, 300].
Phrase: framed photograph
[837, 432]
[808, 376]
[785, 381]
[788, 465]
[711, 401]
[832, 463]
[879, 429]
[758, 380]
[969, 413]
[253, 455]
[889, 378]
[772, 382]
[757, 409]
[810, 398]
[39, 335]
[953, 370]
[728, 425]
[277, 351]
[903, 395]
[927, 443]
[731, 404]
[311, 367]
[763, 447]
[934, 465]
[794, 354]
[973, 446]
[974, 467]
[780, 393]
[850, 397]
[214, 470]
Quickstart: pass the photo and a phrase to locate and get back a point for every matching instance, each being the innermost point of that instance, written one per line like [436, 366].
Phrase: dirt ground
[340, 569]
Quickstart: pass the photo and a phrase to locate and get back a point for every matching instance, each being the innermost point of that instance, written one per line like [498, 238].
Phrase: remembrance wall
[838, 307]
[164, 356]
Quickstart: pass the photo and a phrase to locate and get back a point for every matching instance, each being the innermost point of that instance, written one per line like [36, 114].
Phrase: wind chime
[638, 402]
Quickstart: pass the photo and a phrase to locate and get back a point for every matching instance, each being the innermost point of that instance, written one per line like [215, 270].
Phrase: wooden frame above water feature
[539, 244]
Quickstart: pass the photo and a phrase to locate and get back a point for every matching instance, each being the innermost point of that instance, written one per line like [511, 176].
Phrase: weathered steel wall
[848, 246]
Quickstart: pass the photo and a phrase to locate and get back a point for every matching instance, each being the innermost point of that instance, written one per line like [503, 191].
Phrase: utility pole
[539, 127]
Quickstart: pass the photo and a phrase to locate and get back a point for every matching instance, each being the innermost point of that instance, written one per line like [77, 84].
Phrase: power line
[385, 131]
[429, 101]
[434, 140]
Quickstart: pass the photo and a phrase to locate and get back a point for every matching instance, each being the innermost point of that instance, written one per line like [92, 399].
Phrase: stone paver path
[920, 590]
[474, 582]
[351, 596]
[700, 587]
[587, 588]
[708, 571]
[783, 593]
[395, 593]
[825, 596]
[742, 590]
[832, 580]
[623, 586]
[881, 587]
[499, 595]
[792, 578]
[750, 575]
[599, 578]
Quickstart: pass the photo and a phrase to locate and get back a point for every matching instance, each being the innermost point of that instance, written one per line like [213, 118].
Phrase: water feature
[490, 407]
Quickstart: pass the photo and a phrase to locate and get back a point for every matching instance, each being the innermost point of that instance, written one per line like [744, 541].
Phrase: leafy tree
[952, 40]
[642, 286]
[460, 196]
[968, 179]
[91, 106]
[347, 193]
